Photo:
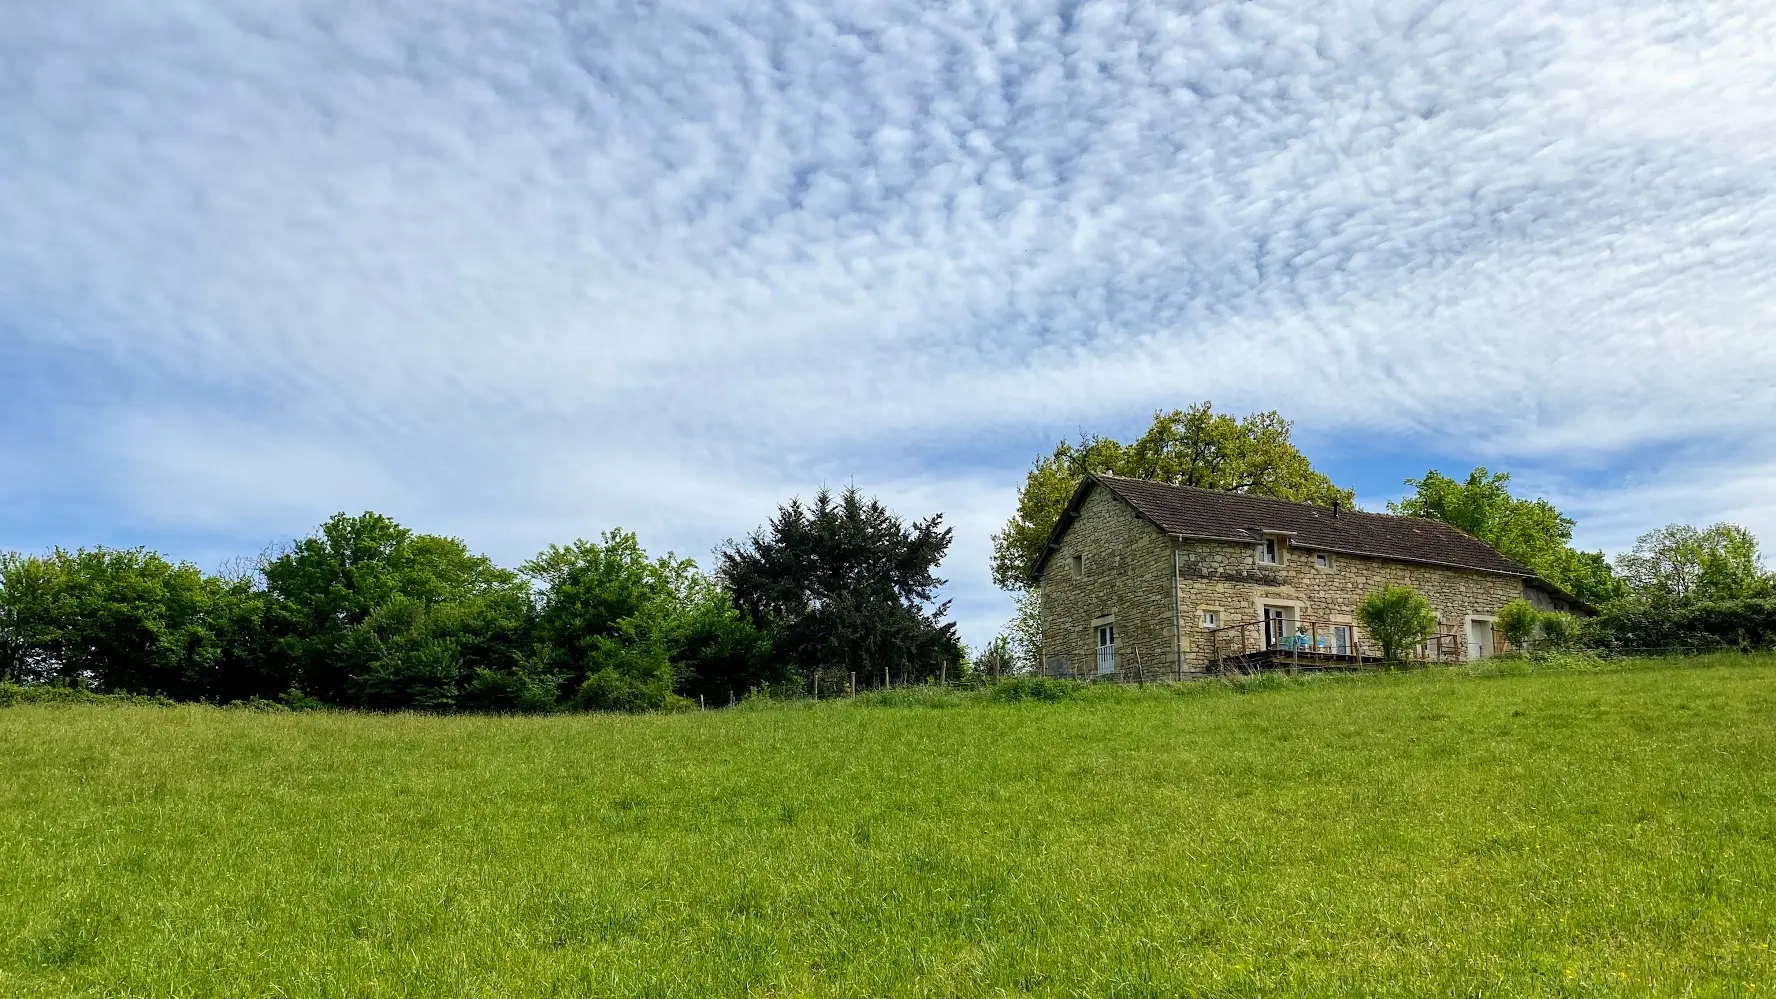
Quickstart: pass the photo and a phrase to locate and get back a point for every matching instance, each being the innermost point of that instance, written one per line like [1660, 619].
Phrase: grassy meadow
[1508, 832]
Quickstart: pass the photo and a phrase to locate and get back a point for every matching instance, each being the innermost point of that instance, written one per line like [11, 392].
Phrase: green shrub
[296, 700]
[1557, 629]
[609, 690]
[1519, 620]
[514, 692]
[12, 694]
[257, 704]
[1654, 625]
[1397, 618]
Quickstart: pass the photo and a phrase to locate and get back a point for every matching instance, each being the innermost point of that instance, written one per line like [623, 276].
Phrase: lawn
[1555, 832]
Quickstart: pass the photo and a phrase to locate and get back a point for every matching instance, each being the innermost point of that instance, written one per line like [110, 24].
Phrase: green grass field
[1428, 834]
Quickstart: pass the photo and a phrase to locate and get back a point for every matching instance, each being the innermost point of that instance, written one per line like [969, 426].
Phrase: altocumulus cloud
[525, 270]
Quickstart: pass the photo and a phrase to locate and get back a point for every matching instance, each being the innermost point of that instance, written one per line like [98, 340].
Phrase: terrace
[1304, 644]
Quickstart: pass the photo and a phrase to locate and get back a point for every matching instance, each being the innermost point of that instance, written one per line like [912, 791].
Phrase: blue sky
[522, 271]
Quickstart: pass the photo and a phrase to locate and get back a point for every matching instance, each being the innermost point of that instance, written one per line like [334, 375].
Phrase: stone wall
[1226, 578]
[1116, 567]
[1124, 577]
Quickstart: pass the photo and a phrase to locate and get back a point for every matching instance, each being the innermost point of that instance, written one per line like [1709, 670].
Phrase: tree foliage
[369, 614]
[1679, 562]
[365, 613]
[1397, 618]
[622, 631]
[125, 620]
[1531, 531]
[1639, 626]
[1519, 620]
[845, 586]
[1187, 447]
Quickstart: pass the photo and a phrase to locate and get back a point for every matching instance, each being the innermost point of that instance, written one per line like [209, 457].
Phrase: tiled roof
[1215, 514]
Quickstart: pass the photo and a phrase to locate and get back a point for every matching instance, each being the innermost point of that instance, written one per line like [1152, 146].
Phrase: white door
[1276, 626]
[1106, 649]
[1479, 639]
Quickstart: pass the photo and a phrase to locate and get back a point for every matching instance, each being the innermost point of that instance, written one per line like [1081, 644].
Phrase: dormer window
[1267, 552]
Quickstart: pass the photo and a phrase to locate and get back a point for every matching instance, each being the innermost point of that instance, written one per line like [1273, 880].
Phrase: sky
[523, 271]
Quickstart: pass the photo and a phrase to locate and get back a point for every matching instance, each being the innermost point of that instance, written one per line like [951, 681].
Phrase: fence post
[853, 683]
[885, 683]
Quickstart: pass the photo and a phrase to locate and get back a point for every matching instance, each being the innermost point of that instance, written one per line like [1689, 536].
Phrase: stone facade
[1114, 567]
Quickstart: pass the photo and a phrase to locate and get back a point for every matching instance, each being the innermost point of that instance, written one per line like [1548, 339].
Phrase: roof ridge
[1380, 535]
[1278, 499]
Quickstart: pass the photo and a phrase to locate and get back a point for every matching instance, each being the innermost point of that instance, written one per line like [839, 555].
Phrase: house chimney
[1334, 507]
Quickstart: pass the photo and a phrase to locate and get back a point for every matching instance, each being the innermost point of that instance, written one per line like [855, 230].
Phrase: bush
[1397, 618]
[13, 694]
[611, 690]
[1557, 629]
[1519, 620]
[1654, 625]
[296, 700]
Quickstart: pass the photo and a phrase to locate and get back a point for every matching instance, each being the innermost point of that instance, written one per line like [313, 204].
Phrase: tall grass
[1517, 830]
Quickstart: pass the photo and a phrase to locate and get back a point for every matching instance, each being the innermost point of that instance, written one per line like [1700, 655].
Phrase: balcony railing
[1315, 643]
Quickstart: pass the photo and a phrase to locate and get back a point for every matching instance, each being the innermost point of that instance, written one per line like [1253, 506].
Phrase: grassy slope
[1551, 834]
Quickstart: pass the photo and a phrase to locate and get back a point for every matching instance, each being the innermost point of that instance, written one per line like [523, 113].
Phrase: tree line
[365, 613]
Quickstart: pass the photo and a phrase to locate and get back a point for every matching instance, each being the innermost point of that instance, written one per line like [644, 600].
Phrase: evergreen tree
[845, 586]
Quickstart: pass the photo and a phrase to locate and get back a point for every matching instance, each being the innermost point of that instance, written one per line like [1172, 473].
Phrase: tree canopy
[365, 613]
[125, 620]
[1531, 531]
[1187, 447]
[618, 629]
[1679, 562]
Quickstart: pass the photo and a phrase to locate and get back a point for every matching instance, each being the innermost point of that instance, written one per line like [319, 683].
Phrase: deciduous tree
[1681, 562]
[365, 612]
[1531, 531]
[1187, 447]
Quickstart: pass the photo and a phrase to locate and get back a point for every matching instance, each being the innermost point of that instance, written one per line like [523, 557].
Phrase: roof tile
[1217, 514]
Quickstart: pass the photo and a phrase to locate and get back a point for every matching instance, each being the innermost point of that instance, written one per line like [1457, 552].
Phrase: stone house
[1147, 580]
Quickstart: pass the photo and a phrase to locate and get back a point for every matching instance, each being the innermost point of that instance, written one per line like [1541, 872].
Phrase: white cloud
[536, 269]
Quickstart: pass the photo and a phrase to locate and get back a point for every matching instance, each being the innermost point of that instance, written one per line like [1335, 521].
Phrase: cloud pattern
[527, 268]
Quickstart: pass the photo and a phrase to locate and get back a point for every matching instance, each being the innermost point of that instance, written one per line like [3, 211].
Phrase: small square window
[1322, 560]
[1211, 619]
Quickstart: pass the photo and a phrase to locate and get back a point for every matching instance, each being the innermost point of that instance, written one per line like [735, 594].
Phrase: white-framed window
[1211, 619]
[1079, 566]
[1341, 639]
[1106, 648]
[1322, 561]
[1268, 553]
